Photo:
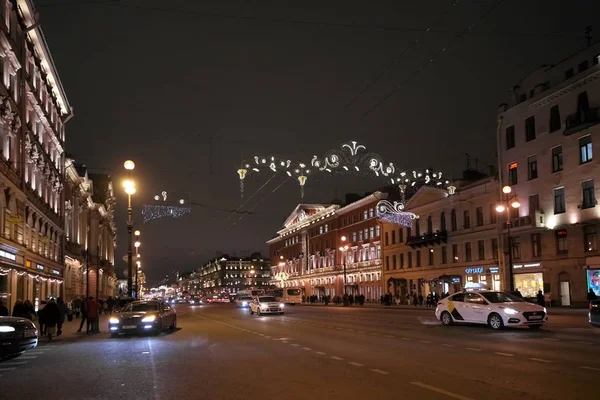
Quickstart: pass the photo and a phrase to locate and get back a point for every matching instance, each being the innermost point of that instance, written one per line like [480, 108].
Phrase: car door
[455, 306]
[475, 308]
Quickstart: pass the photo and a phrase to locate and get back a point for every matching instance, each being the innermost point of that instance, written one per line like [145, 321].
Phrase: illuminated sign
[532, 265]
[455, 280]
[10, 256]
[478, 270]
[28, 264]
[512, 165]
[561, 232]
[40, 267]
[494, 270]
[56, 272]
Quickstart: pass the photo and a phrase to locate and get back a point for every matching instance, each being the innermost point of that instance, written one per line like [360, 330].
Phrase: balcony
[529, 221]
[582, 119]
[427, 239]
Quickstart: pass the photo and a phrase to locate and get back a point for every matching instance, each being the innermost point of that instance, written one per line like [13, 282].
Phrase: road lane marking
[581, 342]
[379, 371]
[306, 348]
[295, 345]
[589, 368]
[374, 333]
[355, 364]
[321, 353]
[337, 358]
[405, 338]
[552, 339]
[424, 341]
[350, 330]
[6, 364]
[472, 349]
[389, 336]
[539, 360]
[447, 345]
[267, 337]
[6, 369]
[338, 328]
[440, 391]
[504, 354]
[27, 357]
[361, 331]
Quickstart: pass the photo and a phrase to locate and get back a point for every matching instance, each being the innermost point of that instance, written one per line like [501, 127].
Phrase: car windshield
[143, 307]
[500, 297]
[267, 299]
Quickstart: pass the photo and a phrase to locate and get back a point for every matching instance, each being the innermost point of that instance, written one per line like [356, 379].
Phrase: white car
[496, 309]
[266, 305]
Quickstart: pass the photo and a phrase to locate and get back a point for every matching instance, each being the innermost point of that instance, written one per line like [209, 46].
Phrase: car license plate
[536, 317]
[129, 327]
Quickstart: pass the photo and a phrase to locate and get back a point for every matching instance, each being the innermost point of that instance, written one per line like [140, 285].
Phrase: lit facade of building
[546, 138]
[33, 113]
[453, 242]
[318, 240]
[228, 275]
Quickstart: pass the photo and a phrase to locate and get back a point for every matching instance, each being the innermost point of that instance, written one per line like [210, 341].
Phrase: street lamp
[129, 186]
[344, 252]
[137, 245]
[508, 201]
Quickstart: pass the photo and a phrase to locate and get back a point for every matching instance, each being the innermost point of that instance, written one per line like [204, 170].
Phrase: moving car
[496, 309]
[16, 336]
[143, 316]
[196, 301]
[243, 301]
[266, 305]
[594, 313]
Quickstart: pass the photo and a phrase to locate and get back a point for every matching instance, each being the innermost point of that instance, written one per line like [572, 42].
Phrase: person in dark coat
[540, 298]
[591, 295]
[52, 317]
[18, 309]
[3, 309]
[62, 309]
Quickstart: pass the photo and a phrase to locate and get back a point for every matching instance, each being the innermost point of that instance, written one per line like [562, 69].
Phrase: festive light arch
[351, 157]
[166, 205]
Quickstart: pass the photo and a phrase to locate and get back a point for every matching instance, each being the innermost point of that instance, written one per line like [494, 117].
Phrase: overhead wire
[250, 198]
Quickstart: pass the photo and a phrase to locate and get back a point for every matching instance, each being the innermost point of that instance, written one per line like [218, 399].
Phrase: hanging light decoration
[302, 181]
[242, 173]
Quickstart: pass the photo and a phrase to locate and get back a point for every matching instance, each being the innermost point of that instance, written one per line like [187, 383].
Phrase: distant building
[318, 240]
[546, 137]
[230, 274]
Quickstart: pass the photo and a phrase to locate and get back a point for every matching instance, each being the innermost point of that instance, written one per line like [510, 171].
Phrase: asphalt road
[312, 352]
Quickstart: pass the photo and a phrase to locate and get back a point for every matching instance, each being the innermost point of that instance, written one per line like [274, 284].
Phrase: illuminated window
[585, 149]
[512, 174]
[590, 238]
[561, 241]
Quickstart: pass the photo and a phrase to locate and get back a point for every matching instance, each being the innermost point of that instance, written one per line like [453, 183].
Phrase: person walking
[29, 310]
[18, 309]
[52, 317]
[3, 309]
[591, 295]
[84, 317]
[62, 310]
[42, 318]
[92, 314]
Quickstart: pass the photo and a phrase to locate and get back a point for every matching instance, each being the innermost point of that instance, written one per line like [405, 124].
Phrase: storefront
[528, 279]
[593, 280]
[487, 276]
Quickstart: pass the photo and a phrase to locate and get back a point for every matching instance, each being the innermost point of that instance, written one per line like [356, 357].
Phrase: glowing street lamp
[509, 201]
[129, 186]
[344, 251]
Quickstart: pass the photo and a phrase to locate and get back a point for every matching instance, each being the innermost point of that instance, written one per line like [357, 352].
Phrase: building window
[360, 235]
[444, 254]
[408, 231]
[354, 237]
[588, 195]
[366, 233]
[493, 213]
[320, 229]
[512, 174]
[394, 261]
[557, 159]
[532, 172]
[453, 220]
[534, 204]
[510, 137]
[430, 256]
[585, 149]
[536, 245]
[468, 251]
[530, 129]
[466, 219]
[454, 253]
[372, 253]
[372, 232]
[479, 215]
[495, 249]
[400, 235]
[559, 200]
[418, 258]
[481, 249]
[555, 123]
[377, 231]
[371, 212]
[429, 225]
[366, 214]
[409, 255]
[590, 238]
[582, 66]
[379, 252]
[394, 237]
[443, 221]
[386, 240]
[561, 241]
[516, 248]
[401, 260]
[569, 73]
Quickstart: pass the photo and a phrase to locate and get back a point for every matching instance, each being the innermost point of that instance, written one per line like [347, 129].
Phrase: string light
[152, 211]
[394, 213]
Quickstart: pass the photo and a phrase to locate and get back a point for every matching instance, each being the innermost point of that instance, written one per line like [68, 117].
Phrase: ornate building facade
[226, 275]
[33, 113]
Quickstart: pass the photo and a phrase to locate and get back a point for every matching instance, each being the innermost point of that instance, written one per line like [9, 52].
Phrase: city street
[222, 352]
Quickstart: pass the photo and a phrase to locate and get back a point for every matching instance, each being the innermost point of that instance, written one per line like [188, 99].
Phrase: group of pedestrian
[50, 317]
[90, 312]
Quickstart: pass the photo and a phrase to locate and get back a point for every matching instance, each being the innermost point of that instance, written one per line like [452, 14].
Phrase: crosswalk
[18, 362]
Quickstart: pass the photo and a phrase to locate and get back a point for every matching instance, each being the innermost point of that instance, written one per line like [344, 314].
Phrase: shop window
[536, 245]
[590, 238]
[529, 284]
[561, 241]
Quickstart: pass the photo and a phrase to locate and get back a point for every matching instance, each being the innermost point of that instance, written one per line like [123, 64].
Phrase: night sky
[153, 81]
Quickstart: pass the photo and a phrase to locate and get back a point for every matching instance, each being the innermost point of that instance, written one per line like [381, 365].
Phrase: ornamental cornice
[556, 94]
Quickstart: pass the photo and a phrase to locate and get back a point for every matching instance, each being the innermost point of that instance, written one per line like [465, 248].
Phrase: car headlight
[244, 303]
[264, 306]
[281, 305]
[113, 320]
[149, 318]
[510, 311]
[545, 311]
[4, 329]
[192, 301]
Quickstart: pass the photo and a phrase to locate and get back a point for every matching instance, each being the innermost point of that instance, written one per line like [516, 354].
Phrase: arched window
[443, 221]
[453, 220]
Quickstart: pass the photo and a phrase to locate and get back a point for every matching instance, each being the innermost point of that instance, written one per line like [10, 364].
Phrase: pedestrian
[420, 300]
[92, 314]
[18, 309]
[52, 317]
[62, 309]
[351, 299]
[591, 295]
[28, 310]
[3, 309]
[111, 304]
[77, 307]
[42, 318]
[415, 299]
[362, 299]
[84, 318]
[518, 294]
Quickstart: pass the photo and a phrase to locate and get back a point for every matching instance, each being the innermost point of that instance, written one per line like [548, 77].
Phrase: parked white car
[496, 309]
[266, 305]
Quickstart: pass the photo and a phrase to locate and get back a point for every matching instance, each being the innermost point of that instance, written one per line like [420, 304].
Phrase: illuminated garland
[162, 207]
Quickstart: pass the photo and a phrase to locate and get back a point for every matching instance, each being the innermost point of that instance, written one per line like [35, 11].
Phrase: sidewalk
[69, 330]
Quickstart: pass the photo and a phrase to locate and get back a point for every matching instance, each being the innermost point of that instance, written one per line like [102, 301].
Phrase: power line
[250, 198]
[415, 72]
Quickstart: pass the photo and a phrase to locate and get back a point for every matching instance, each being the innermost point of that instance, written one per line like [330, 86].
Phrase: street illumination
[129, 186]
[506, 189]
[343, 238]
[137, 233]
[137, 244]
[515, 204]
[129, 165]
[500, 208]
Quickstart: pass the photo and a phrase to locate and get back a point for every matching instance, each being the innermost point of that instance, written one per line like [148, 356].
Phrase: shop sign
[8, 255]
[456, 280]
[56, 272]
[40, 267]
[477, 270]
[28, 264]
[593, 280]
[494, 270]
[532, 265]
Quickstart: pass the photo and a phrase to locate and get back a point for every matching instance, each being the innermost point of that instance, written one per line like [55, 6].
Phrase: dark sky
[154, 80]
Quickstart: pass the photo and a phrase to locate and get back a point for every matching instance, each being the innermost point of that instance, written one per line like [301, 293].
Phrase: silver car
[266, 305]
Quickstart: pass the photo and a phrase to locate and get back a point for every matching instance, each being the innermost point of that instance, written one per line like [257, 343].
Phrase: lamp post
[344, 252]
[507, 202]
[129, 186]
[137, 245]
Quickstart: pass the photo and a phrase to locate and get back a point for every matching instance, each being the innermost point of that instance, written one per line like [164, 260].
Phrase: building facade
[453, 244]
[90, 234]
[33, 113]
[327, 249]
[225, 275]
[546, 137]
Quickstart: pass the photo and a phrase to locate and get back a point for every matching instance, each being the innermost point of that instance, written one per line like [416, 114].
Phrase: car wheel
[174, 324]
[495, 321]
[258, 311]
[538, 326]
[446, 318]
[251, 312]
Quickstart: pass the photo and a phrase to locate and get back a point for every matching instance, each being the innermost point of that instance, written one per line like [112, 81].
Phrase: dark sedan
[16, 336]
[594, 314]
[143, 316]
